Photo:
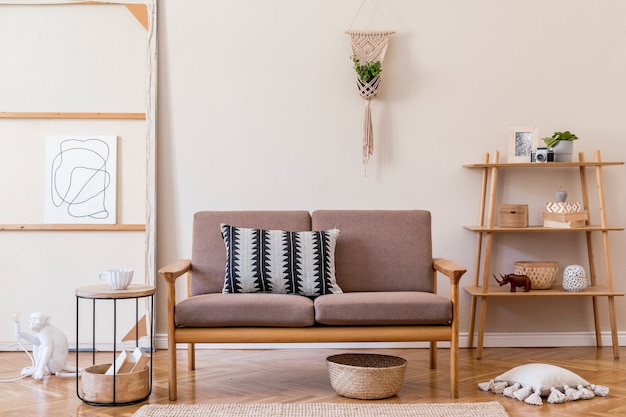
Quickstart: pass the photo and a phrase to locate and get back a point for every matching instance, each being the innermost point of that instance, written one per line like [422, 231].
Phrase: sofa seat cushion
[382, 308]
[244, 310]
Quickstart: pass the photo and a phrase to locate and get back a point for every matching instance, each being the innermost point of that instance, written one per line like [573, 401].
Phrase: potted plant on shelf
[562, 145]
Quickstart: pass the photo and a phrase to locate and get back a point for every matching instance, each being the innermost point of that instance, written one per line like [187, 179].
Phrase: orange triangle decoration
[140, 11]
[137, 332]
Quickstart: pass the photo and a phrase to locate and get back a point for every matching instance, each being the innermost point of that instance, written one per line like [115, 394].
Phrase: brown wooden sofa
[382, 262]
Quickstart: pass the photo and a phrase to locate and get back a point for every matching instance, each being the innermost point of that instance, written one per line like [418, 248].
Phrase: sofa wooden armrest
[170, 273]
[449, 268]
[454, 271]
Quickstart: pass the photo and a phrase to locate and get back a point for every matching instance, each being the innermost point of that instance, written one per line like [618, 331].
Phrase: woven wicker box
[366, 376]
[542, 274]
[513, 215]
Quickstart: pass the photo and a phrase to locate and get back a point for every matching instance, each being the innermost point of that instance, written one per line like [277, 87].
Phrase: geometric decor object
[563, 206]
[574, 278]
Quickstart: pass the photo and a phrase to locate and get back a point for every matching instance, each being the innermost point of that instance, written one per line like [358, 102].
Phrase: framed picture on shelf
[522, 140]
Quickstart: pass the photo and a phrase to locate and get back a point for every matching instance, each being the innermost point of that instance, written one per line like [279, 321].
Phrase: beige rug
[482, 409]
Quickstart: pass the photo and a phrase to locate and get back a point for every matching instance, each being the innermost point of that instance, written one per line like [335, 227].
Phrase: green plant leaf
[368, 71]
[551, 141]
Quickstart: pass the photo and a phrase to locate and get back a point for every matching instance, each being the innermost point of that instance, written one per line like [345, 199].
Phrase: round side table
[108, 384]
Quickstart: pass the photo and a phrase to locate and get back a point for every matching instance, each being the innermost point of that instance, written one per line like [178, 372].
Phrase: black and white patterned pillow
[277, 261]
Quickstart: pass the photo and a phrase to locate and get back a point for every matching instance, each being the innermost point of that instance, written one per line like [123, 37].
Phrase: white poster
[81, 179]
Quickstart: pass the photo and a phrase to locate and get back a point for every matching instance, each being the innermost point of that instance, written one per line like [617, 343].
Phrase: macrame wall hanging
[368, 53]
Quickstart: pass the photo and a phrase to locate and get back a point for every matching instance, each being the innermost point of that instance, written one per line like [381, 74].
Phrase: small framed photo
[522, 140]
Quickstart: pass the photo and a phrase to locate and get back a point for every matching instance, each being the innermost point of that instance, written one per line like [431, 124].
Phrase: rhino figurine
[515, 280]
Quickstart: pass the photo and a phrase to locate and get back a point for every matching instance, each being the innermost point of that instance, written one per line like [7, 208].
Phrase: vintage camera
[542, 155]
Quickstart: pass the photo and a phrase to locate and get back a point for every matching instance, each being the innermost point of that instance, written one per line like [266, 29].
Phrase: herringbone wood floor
[300, 375]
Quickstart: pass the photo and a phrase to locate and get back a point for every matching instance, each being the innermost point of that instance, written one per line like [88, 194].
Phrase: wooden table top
[106, 292]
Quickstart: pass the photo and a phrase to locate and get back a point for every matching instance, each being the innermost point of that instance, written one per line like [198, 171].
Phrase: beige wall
[258, 110]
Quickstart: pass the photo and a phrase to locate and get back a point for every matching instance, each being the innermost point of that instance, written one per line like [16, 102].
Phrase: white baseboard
[84, 347]
[561, 339]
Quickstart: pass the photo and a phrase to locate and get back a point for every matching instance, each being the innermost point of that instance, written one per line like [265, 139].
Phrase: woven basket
[542, 274]
[96, 387]
[366, 376]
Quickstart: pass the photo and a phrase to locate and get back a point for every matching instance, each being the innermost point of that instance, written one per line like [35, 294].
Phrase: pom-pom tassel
[534, 398]
[600, 390]
[485, 386]
[585, 393]
[571, 393]
[498, 387]
[508, 391]
[522, 394]
[556, 396]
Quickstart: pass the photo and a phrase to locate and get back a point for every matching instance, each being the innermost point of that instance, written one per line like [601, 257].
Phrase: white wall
[258, 110]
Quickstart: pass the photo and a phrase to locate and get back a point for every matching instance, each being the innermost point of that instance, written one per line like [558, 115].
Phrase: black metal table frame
[93, 342]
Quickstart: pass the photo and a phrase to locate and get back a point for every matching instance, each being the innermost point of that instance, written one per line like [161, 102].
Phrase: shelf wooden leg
[613, 327]
[596, 320]
[481, 327]
[472, 317]
[479, 241]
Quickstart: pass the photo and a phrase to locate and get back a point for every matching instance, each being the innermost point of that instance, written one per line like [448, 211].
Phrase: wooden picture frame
[522, 140]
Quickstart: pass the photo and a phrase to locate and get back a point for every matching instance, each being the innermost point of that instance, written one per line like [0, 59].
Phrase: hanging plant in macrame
[368, 52]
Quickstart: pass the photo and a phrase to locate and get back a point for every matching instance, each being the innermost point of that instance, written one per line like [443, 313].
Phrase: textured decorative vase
[563, 151]
[574, 278]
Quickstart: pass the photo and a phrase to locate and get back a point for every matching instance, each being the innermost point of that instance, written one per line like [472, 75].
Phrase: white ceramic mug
[118, 279]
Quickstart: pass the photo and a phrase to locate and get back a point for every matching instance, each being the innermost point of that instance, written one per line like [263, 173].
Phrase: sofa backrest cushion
[208, 254]
[380, 250]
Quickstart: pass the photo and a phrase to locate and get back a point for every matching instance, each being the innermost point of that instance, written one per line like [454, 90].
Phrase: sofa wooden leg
[454, 367]
[171, 377]
[191, 356]
[433, 355]
[454, 383]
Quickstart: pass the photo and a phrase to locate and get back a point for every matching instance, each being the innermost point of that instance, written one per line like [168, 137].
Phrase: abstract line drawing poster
[81, 179]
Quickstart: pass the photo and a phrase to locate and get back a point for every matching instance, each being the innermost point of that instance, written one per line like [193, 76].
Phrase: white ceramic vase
[563, 151]
[574, 278]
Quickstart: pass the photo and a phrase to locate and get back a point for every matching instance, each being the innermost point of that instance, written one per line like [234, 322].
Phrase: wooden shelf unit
[486, 229]
[541, 229]
[71, 227]
[146, 228]
[556, 291]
